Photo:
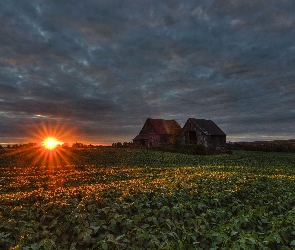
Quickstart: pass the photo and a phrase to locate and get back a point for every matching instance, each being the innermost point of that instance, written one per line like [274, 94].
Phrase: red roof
[163, 127]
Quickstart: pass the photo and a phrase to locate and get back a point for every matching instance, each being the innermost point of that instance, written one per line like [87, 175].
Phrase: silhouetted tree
[65, 145]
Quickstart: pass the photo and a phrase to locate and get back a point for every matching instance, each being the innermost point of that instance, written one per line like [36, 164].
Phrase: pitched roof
[162, 127]
[144, 137]
[207, 125]
[141, 137]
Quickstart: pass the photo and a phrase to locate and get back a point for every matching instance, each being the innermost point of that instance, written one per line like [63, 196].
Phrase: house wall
[152, 141]
[141, 142]
[218, 142]
[164, 139]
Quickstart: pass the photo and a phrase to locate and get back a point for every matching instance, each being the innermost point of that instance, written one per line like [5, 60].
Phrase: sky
[96, 70]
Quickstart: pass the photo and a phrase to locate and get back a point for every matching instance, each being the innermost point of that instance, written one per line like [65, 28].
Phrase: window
[192, 137]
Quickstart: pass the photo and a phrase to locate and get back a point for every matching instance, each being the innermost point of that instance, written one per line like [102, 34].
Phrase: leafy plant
[142, 199]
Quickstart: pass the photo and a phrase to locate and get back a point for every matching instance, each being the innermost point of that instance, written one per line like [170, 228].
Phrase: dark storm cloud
[105, 66]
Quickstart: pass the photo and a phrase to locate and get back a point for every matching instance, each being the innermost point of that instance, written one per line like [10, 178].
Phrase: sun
[50, 143]
[52, 149]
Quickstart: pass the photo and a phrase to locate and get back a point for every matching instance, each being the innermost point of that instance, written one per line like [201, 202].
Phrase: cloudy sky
[101, 68]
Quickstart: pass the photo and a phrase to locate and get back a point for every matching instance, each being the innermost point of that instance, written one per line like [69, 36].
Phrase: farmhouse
[203, 132]
[155, 131]
[195, 131]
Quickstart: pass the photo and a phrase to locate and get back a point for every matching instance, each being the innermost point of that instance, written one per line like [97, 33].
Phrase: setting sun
[50, 143]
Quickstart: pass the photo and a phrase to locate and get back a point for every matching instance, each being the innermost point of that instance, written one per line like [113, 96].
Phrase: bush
[191, 149]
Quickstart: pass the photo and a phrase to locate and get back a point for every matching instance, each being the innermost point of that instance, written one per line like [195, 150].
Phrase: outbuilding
[155, 131]
[203, 132]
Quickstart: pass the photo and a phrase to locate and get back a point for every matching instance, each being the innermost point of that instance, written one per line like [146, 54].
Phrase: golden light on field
[51, 143]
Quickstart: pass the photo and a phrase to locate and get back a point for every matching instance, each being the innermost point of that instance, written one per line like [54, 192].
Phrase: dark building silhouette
[203, 132]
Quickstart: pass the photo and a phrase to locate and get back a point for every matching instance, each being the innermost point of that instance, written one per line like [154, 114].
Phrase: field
[110, 198]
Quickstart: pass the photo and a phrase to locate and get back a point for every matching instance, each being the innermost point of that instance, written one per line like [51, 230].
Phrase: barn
[155, 131]
[203, 132]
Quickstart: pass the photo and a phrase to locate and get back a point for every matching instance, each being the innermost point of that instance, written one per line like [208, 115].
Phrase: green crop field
[110, 198]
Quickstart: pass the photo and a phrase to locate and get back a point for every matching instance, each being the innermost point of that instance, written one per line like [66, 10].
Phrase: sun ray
[51, 137]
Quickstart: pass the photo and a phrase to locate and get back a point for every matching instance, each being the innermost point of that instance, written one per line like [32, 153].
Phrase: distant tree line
[81, 145]
[64, 145]
[122, 145]
[266, 146]
[17, 146]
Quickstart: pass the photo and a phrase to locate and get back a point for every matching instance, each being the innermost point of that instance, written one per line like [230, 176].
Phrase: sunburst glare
[51, 143]
[52, 138]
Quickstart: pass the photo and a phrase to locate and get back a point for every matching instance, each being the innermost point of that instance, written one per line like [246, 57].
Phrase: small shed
[155, 131]
[203, 132]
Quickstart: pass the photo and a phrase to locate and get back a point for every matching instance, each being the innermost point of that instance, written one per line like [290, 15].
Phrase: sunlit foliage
[140, 199]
